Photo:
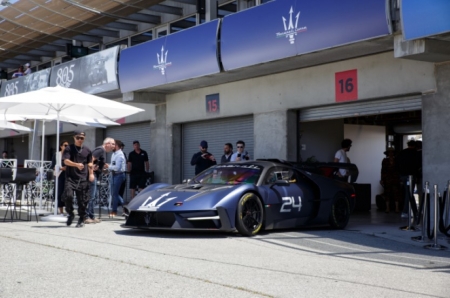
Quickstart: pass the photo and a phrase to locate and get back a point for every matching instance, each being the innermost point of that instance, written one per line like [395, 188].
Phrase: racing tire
[250, 214]
[340, 212]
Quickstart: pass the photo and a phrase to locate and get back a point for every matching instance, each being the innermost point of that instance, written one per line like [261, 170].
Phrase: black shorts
[138, 180]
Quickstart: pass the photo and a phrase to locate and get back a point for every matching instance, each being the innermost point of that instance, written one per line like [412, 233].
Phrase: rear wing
[329, 169]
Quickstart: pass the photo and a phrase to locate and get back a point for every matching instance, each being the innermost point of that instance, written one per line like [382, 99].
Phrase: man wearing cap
[137, 165]
[202, 159]
[99, 154]
[76, 158]
[27, 69]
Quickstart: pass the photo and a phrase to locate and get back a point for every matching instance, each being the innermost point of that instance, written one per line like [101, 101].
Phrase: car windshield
[229, 174]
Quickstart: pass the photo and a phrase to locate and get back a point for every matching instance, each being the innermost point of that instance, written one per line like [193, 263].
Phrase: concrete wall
[378, 76]
[321, 139]
[270, 135]
[369, 143]
[435, 124]
[160, 146]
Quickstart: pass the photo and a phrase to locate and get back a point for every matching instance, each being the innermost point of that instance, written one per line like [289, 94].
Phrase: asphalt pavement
[372, 257]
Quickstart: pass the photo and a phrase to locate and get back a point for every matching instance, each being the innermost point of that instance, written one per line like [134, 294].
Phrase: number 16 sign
[346, 85]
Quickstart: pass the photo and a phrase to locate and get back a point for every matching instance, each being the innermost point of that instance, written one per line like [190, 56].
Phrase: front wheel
[340, 212]
[250, 214]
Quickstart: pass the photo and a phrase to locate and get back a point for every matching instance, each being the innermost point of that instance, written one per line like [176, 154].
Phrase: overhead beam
[144, 18]
[5, 65]
[122, 26]
[192, 2]
[166, 9]
[90, 38]
[104, 32]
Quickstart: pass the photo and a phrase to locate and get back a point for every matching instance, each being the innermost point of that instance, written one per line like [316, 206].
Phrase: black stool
[22, 176]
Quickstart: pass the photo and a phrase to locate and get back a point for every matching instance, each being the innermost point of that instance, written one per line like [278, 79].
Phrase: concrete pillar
[210, 10]
[271, 135]
[435, 123]
[160, 156]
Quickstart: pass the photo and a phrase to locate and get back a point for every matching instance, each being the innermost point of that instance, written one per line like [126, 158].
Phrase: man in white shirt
[27, 69]
[341, 156]
[240, 154]
[117, 168]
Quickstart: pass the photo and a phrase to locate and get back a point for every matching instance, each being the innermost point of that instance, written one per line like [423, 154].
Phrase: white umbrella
[9, 125]
[62, 101]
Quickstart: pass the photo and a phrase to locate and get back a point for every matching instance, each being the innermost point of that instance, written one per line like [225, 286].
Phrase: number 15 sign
[213, 103]
[346, 85]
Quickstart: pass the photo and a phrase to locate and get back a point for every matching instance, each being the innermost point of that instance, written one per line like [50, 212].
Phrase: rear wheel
[250, 214]
[340, 211]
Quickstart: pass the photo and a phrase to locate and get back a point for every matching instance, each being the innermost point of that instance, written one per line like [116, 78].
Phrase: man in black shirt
[76, 158]
[137, 167]
[407, 163]
[202, 159]
[99, 154]
[227, 152]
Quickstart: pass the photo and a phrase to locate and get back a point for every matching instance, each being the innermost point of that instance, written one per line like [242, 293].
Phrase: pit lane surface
[105, 260]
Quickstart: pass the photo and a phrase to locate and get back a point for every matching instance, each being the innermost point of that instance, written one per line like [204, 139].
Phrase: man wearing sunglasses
[202, 159]
[99, 154]
[76, 158]
[240, 154]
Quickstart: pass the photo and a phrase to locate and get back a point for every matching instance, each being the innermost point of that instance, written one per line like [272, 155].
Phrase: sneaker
[80, 223]
[70, 219]
[97, 220]
[89, 221]
[404, 215]
[113, 214]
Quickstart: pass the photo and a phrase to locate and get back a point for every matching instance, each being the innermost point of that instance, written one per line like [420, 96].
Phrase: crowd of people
[204, 159]
[81, 168]
[22, 71]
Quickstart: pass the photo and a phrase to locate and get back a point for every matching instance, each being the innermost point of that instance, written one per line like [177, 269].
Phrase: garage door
[216, 133]
[127, 133]
[362, 108]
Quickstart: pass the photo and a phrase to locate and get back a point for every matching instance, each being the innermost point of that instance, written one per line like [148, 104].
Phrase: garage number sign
[212, 103]
[346, 85]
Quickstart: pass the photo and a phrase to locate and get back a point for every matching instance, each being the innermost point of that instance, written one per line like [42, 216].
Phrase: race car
[246, 197]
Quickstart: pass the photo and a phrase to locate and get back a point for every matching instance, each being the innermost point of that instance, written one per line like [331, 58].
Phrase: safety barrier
[441, 217]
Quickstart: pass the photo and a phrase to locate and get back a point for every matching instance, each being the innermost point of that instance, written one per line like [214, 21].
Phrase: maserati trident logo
[162, 61]
[291, 30]
[148, 218]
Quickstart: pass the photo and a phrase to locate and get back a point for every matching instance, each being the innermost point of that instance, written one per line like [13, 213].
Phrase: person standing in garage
[341, 156]
[408, 165]
[137, 167]
[202, 159]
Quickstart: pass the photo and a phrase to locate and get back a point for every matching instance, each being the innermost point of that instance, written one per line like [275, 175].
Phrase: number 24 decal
[289, 204]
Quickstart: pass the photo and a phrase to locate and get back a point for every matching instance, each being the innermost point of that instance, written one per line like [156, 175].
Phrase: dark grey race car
[247, 197]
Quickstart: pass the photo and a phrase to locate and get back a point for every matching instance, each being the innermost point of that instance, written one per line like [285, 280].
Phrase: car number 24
[289, 204]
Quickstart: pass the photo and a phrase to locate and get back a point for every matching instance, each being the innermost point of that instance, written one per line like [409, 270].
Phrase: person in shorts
[138, 167]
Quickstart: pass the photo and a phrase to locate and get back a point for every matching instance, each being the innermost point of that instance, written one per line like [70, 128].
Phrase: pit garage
[372, 126]
[216, 132]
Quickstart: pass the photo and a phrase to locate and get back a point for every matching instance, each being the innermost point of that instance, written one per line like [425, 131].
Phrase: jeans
[93, 195]
[117, 200]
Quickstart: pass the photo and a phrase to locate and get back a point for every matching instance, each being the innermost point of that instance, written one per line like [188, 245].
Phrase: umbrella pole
[41, 168]
[58, 164]
[34, 136]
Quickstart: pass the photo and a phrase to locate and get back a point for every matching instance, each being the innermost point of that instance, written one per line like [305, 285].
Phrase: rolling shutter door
[129, 132]
[362, 108]
[216, 133]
